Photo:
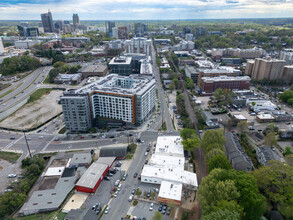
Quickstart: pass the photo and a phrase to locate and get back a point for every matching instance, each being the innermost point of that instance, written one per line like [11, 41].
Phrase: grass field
[38, 94]
[9, 156]
[4, 85]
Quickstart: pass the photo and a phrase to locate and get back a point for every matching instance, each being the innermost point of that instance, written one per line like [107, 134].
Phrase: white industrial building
[146, 67]
[1, 46]
[261, 105]
[166, 167]
[139, 45]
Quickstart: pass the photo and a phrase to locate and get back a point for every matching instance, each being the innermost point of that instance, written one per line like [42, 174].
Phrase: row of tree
[17, 64]
[10, 201]
[60, 67]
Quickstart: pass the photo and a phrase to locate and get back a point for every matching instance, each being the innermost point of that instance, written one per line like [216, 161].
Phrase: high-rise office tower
[109, 26]
[25, 31]
[140, 29]
[47, 21]
[75, 19]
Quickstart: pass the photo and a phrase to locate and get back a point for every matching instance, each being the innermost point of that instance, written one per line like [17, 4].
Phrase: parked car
[124, 176]
[115, 194]
[146, 162]
[146, 153]
[149, 194]
[133, 191]
[134, 175]
[151, 207]
[81, 137]
[130, 198]
[119, 187]
[106, 178]
[168, 211]
[160, 207]
[139, 177]
[12, 175]
[12, 138]
[148, 149]
[107, 210]
[117, 183]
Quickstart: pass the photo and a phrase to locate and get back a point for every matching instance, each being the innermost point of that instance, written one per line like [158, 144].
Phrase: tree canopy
[213, 139]
[235, 191]
[219, 161]
[275, 181]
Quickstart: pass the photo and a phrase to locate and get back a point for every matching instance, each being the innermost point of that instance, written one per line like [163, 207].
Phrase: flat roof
[106, 160]
[54, 171]
[81, 158]
[163, 160]
[94, 68]
[225, 78]
[170, 190]
[134, 84]
[169, 145]
[240, 117]
[265, 116]
[170, 173]
[92, 175]
[122, 60]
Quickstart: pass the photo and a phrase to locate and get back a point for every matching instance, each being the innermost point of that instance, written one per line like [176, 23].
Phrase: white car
[130, 198]
[115, 194]
[151, 207]
[107, 210]
[11, 175]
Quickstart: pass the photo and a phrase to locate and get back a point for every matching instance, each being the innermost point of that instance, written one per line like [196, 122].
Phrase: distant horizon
[187, 19]
[146, 10]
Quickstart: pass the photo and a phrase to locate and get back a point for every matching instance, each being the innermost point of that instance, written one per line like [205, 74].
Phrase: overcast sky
[145, 9]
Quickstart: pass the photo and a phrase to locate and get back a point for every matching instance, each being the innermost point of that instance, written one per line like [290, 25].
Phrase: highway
[23, 88]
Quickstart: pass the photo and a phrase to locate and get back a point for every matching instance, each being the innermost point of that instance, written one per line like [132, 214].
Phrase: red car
[81, 137]
[139, 177]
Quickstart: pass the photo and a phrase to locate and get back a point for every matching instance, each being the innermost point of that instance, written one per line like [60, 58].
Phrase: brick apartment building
[209, 85]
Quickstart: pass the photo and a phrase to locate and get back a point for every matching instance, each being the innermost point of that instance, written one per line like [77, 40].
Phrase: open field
[40, 107]
[9, 156]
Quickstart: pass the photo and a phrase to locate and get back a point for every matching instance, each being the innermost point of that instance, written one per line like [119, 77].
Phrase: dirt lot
[48, 182]
[34, 114]
[59, 163]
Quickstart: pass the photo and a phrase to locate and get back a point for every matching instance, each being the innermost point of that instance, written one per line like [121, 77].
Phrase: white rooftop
[164, 160]
[169, 145]
[170, 173]
[54, 171]
[226, 78]
[170, 190]
[92, 175]
[265, 116]
[240, 117]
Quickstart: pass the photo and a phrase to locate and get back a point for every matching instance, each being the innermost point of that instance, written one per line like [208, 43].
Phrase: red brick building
[209, 85]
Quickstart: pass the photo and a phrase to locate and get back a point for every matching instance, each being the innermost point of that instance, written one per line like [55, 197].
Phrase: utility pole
[27, 145]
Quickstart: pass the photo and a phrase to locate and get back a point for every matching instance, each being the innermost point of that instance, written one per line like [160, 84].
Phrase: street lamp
[27, 145]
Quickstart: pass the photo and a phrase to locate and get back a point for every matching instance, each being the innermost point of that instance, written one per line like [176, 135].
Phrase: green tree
[289, 159]
[242, 126]
[214, 152]
[212, 138]
[176, 82]
[58, 64]
[287, 151]
[171, 86]
[189, 83]
[191, 143]
[275, 181]
[270, 139]
[157, 216]
[290, 101]
[219, 161]
[220, 187]
[222, 214]
[186, 133]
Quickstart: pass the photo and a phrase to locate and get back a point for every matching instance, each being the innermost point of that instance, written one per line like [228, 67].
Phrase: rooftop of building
[265, 116]
[121, 60]
[81, 158]
[225, 78]
[94, 68]
[267, 153]
[163, 160]
[73, 76]
[114, 84]
[170, 190]
[169, 145]
[240, 117]
[220, 70]
[92, 175]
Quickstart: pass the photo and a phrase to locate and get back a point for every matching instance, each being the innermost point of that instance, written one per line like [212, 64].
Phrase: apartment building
[122, 99]
[139, 45]
[270, 69]
[210, 84]
[287, 55]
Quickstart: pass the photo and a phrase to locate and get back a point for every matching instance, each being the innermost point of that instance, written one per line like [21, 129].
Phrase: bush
[135, 202]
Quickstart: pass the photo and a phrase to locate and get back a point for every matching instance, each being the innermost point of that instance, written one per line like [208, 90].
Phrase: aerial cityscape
[146, 110]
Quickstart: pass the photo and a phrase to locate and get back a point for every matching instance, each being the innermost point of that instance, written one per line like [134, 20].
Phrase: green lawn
[45, 216]
[46, 80]
[38, 94]
[63, 130]
[9, 156]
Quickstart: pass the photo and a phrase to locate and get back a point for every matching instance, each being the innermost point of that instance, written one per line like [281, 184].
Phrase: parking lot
[142, 209]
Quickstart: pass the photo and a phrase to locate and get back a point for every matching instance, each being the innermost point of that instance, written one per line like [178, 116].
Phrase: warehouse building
[94, 70]
[94, 175]
[109, 100]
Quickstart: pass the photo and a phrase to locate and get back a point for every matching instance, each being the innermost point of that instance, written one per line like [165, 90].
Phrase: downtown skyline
[147, 10]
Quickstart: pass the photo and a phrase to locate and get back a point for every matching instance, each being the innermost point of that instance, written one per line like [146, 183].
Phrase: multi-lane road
[23, 88]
